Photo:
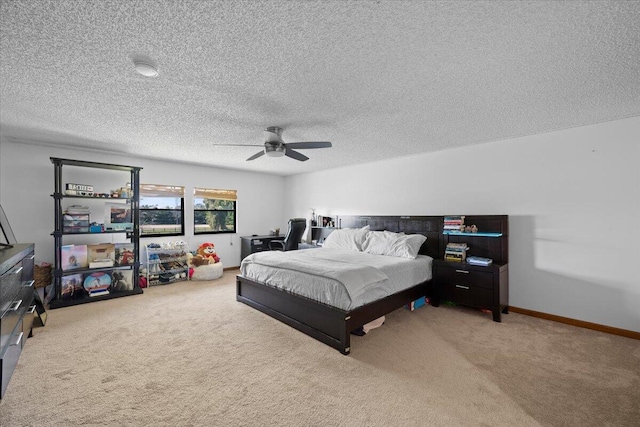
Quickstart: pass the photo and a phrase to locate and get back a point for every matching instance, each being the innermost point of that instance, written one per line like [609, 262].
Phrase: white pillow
[393, 244]
[347, 238]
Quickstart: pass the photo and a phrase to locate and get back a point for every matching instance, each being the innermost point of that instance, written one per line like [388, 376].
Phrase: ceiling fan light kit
[274, 149]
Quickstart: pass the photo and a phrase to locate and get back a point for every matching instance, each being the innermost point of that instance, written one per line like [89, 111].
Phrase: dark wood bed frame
[332, 325]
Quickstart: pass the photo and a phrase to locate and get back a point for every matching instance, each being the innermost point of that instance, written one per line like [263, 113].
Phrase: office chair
[295, 229]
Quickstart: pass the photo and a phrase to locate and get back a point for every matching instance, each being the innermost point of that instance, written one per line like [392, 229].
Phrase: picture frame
[118, 217]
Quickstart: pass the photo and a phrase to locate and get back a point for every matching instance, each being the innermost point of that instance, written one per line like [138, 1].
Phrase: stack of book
[476, 260]
[453, 224]
[456, 252]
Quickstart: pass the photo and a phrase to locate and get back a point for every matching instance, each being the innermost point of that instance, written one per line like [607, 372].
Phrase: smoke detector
[145, 68]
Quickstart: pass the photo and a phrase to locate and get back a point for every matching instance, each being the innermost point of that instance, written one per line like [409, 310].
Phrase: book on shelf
[460, 246]
[456, 252]
[456, 256]
[476, 260]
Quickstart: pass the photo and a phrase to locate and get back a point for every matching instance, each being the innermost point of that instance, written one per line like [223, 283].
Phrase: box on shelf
[75, 223]
[102, 255]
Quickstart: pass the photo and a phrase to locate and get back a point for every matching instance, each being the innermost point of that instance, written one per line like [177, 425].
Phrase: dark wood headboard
[430, 226]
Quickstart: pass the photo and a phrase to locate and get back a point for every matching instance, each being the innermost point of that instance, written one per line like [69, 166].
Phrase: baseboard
[579, 323]
[230, 268]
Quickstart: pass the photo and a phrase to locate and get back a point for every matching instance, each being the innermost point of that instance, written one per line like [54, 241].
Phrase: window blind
[154, 190]
[210, 193]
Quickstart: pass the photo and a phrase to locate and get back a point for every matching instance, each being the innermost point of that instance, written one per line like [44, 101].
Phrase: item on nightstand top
[476, 260]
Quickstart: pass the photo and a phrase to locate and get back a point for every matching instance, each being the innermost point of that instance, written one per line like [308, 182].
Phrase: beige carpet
[189, 354]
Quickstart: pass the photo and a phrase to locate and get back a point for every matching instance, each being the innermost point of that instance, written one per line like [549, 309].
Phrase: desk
[252, 244]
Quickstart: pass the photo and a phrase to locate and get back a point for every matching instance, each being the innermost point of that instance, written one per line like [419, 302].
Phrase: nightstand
[472, 285]
[485, 287]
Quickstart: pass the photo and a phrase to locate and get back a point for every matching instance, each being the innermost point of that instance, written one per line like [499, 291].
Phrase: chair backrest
[295, 229]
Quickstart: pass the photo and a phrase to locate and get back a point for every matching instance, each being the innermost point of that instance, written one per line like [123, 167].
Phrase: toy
[205, 263]
[207, 250]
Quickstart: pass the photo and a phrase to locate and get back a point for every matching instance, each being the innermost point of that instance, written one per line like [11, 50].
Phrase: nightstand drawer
[467, 295]
[462, 276]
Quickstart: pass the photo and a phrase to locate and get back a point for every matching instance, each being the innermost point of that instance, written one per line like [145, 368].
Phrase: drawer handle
[30, 284]
[19, 340]
[18, 271]
[16, 305]
[32, 309]
[462, 271]
[32, 256]
[462, 287]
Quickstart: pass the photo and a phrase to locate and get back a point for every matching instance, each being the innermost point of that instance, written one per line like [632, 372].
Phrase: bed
[330, 321]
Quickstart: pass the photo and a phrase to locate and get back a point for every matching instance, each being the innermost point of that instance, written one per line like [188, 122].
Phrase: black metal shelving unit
[58, 233]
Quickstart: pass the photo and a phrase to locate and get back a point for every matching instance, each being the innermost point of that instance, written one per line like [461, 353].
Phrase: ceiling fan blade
[240, 145]
[255, 156]
[309, 144]
[296, 155]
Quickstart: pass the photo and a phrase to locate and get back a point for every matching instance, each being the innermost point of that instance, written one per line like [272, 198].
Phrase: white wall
[573, 197]
[26, 185]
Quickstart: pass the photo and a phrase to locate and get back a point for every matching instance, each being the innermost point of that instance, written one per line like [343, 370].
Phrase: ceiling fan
[274, 146]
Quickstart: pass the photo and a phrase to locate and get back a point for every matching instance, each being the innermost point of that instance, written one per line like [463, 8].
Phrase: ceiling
[378, 79]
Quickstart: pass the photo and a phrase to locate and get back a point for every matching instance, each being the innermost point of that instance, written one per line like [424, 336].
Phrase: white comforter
[341, 278]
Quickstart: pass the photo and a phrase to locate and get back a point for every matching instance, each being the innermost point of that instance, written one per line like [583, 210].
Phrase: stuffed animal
[208, 250]
[205, 263]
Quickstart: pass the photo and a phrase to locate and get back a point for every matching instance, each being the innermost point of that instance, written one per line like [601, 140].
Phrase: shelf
[62, 233]
[69, 196]
[174, 256]
[95, 270]
[115, 278]
[66, 303]
[478, 234]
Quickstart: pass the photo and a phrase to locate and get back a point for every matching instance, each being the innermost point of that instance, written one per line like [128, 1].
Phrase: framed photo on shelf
[124, 254]
[73, 257]
[118, 217]
[72, 287]
[97, 283]
[122, 280]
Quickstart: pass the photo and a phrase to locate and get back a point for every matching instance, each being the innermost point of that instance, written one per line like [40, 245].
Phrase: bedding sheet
[340, 278]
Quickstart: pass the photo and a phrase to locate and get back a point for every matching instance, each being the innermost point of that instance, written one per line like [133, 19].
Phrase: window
[161, 210]
[214, 211]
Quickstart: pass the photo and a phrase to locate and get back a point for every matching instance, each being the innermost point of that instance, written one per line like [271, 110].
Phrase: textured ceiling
[377, 78]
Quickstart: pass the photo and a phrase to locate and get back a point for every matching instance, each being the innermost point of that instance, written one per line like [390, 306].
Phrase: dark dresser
[252, 244]
[16, 306]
